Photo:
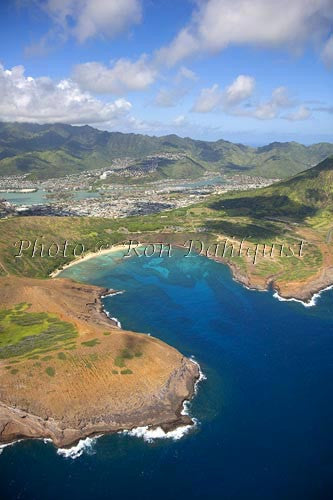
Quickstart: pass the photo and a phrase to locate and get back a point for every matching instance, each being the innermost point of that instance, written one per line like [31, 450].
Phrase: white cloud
[327, 52]
[180, 86]
[209, 99]
[269, 23]
[121, 77]
[214, 98]
[83, 19]
[270, 109]
[168, 98]
[281, 98]
[240, 89]
[41, 100]
[302, 113]
[186, 74]
[179, 125]
[231, 101]
[180, 120]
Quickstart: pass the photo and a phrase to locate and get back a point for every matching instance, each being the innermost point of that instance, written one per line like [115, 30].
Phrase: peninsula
[68, 372]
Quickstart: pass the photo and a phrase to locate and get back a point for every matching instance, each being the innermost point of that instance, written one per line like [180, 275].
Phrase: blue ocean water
[265, 410]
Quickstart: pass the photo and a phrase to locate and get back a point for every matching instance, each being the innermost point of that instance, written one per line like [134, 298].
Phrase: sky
[248, 71]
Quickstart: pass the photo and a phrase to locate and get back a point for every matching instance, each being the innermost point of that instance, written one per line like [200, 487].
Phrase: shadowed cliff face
[264, 206]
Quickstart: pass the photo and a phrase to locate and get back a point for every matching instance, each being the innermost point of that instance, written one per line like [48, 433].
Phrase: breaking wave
[116, 320]
[310, 303]
[83, 446]
[149, 435]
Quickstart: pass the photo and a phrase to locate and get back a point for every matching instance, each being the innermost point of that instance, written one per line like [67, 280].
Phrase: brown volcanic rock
[84, 419]
[86, 396]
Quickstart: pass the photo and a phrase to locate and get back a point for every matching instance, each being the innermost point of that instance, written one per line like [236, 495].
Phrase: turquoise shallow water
[265, 410]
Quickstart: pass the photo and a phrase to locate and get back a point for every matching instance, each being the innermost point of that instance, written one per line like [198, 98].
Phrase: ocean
[264, 412]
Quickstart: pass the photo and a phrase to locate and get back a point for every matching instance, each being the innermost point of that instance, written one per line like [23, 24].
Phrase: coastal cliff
[105, 380]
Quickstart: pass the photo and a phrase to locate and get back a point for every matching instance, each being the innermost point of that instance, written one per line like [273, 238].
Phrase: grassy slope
[25, 333]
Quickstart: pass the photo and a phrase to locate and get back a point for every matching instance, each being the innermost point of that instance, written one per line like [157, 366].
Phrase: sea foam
[83, 446]
[116, 320]
[310, 303]
[149, 435]
[3, 446]
[112, 293]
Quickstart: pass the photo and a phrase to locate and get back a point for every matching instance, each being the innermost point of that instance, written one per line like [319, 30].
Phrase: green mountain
[304, 195]
[313, 187]
[45, 151]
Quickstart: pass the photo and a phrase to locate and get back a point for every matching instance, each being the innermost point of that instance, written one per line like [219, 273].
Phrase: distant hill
[313, 186]
[46, 151]
[298, 197]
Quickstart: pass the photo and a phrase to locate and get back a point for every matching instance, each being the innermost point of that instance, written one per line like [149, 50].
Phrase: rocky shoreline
[305, 293]
[165, 411]
[79, 402]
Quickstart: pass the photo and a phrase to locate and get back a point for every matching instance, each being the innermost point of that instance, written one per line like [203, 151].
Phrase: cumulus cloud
[214, 98]
[41, 100]
[179, 125]
[208, 100]
[270, 109]
[240, 89]
[302, 113]
[123, 76]
[180, 87]
[233, 101]
[219, 23]
[180, 120]
[84, 19]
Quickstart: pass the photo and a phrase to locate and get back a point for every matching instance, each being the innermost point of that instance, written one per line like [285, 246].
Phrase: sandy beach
[87, 256]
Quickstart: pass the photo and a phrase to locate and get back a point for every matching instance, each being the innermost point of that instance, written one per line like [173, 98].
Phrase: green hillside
[307, 196]
[55, 150]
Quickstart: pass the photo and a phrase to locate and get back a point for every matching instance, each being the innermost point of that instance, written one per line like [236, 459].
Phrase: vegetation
[55, 150]
[50, 371]
[119, 361]
[125, 354]
[25, 332]
[91, 343]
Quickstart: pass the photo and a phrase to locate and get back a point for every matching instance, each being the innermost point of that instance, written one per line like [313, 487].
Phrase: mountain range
[46, 151]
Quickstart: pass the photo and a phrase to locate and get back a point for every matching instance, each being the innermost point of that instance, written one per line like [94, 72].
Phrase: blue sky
[251, 72]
